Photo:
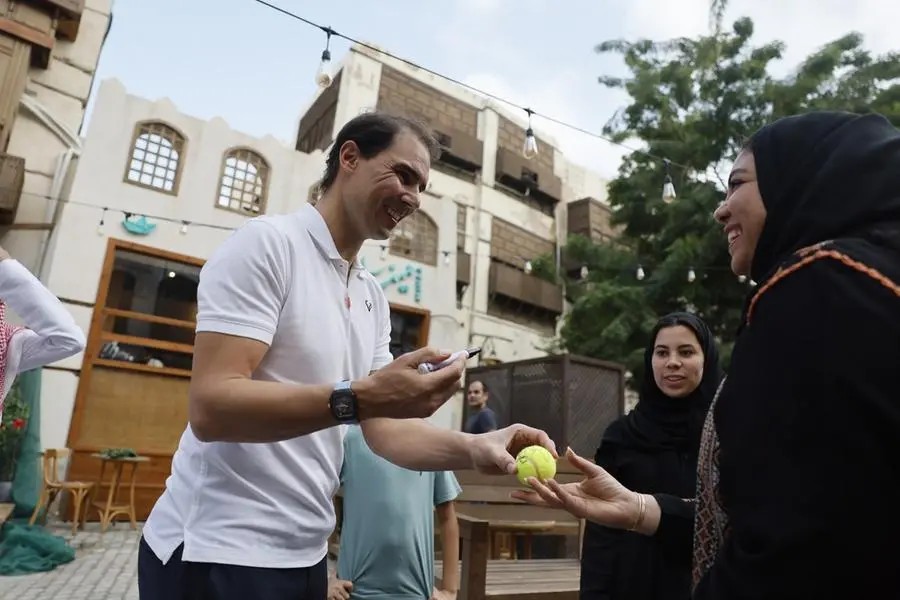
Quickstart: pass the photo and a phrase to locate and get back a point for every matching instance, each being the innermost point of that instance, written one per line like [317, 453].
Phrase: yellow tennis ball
[535, 461]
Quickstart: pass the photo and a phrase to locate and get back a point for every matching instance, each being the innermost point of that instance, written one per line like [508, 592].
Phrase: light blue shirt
[387, 535]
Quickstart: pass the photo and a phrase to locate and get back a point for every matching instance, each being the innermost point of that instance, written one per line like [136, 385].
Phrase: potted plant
[12, 432]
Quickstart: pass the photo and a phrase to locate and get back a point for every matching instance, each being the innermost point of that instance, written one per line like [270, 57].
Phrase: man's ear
[350, 156]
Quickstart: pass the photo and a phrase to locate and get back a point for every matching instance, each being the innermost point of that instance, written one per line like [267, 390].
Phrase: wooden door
[133, 390]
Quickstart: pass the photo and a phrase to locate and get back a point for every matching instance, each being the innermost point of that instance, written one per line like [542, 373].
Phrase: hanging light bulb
[324, 77]
[530, 146]
[528, 267]
[184, 228]
[100, 225]
[691, 275]
[584, 272]
[668, 194]
[753, 283]
[742, 278]
[384, 250]
[171, 274]
[446, 258]
[640, 273]
[668, 191]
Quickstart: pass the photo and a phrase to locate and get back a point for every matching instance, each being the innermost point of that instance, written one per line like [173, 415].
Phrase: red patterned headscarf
[7, 331]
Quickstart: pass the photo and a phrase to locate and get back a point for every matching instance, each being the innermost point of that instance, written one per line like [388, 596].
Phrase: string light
[529, 146]
[528, 268]
[668, 194]
[100, 225]
[324, 76]
[331, 32]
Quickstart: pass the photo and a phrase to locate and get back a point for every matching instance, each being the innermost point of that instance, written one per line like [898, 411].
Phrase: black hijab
[825, 175]
[659, 422]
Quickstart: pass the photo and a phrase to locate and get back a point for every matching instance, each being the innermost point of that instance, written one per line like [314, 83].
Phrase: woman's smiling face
[742, 214]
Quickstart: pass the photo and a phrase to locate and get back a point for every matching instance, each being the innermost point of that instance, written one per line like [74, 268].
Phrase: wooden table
[110, 509]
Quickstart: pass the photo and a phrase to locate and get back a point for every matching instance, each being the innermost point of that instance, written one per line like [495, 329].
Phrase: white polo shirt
[279, 280]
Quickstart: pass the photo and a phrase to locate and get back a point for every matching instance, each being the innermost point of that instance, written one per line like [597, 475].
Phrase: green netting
[30, 549]
[27, 482]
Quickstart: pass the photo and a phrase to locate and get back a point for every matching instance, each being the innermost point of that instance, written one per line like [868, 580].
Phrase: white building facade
[157, 191]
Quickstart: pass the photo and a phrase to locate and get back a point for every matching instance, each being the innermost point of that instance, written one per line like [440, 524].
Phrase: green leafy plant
[694, 101]
[13, 426]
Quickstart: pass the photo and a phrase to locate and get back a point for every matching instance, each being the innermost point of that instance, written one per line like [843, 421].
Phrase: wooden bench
[488, 498]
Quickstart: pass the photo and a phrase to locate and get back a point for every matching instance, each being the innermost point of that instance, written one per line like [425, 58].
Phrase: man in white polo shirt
[292, 343]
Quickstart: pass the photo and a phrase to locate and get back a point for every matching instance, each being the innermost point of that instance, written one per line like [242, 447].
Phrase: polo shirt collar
[321, 235]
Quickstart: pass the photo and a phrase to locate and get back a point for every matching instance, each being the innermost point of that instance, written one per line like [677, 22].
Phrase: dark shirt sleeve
[808, 428]
[675, 533]
[488, 420]
[600, 545]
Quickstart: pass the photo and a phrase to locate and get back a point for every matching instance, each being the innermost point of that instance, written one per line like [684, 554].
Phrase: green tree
[694, 102]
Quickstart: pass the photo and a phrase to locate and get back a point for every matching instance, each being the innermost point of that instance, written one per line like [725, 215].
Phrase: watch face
[343, 408]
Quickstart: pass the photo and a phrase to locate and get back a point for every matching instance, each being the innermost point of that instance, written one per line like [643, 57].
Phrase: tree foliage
[695, 102]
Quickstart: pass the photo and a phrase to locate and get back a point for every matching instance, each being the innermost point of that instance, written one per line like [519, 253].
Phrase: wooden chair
[51, 486]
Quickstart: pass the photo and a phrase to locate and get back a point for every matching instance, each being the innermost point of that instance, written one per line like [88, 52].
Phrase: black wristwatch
[343, 404]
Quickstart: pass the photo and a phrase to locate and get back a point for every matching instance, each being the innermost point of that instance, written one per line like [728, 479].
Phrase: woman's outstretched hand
[599, 497]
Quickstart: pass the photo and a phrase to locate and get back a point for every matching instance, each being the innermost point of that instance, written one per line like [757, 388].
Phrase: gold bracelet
[642, 508]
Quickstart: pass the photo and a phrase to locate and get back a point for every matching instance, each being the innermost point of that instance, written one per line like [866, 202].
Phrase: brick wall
[513, 245]
[407, 96]
[512, 137]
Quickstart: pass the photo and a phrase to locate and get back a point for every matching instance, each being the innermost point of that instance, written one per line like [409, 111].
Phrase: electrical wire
[529, 111]
[641, 266]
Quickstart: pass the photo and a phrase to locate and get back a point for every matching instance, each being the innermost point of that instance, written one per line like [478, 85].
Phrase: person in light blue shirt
[387, 535]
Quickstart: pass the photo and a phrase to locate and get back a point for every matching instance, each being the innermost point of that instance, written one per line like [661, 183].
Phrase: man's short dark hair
[374, 132]
[484, 387]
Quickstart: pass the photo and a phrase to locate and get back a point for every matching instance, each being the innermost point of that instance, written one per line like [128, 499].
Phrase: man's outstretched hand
[495, 452]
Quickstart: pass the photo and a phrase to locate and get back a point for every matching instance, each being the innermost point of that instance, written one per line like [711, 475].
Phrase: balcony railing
[527, 289]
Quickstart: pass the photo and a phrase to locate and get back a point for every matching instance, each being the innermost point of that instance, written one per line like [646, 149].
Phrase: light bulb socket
[326, 55]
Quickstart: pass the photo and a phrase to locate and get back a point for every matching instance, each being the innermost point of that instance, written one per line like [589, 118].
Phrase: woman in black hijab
[653, 449]
[799, 470]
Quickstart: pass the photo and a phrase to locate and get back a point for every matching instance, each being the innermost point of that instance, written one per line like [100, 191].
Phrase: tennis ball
[535, 461]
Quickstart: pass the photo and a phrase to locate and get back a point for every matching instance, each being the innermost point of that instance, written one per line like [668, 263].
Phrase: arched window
[416, 238]
[156, 153]
[244, 183]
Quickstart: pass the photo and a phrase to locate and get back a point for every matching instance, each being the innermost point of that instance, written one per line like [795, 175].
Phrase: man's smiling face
[384, 189]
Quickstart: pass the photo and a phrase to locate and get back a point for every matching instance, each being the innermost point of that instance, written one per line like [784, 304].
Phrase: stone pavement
[105, 568]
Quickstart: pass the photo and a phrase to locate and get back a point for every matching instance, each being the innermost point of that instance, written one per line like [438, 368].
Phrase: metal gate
[572, 398]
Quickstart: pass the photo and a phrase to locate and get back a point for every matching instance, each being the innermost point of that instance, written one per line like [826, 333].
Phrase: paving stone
[105, 568]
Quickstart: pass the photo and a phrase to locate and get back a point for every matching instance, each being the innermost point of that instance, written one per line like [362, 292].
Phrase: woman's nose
[722, 212]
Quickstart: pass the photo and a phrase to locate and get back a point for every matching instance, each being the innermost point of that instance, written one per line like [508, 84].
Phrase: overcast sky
[254, 67]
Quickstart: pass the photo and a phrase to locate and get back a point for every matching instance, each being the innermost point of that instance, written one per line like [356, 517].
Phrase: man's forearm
[418, 445]
[450, 552]
[250, 411]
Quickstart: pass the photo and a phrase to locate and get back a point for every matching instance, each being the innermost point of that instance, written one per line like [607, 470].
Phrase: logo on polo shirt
[368, 306]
